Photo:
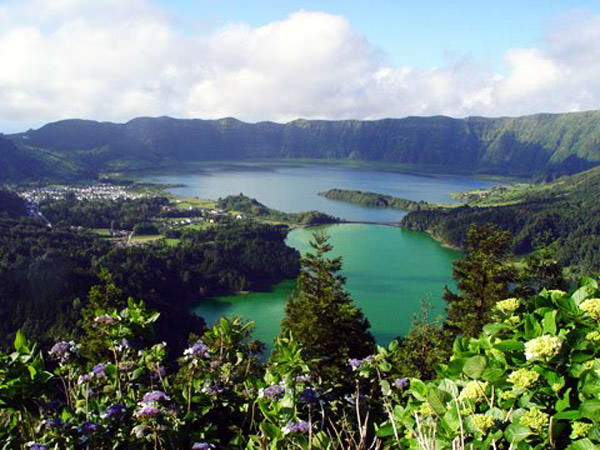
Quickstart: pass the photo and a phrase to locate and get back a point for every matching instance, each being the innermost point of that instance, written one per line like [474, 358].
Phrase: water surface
[294, 187]
[389, 270]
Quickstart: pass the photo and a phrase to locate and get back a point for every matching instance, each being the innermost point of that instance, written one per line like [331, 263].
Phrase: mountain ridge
[540, 144]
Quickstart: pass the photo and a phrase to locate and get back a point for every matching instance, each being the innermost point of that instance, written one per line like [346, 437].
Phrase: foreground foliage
[531, 379]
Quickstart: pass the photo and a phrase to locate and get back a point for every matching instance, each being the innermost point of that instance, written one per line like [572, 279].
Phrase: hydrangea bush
[530, 380]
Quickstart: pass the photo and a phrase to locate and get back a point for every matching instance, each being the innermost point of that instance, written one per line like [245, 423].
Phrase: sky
[285, 59]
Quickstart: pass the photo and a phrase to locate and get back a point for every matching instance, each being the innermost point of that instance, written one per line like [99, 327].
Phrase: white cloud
[117, 59]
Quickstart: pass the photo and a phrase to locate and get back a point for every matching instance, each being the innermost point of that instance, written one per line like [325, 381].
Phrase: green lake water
[388, 270]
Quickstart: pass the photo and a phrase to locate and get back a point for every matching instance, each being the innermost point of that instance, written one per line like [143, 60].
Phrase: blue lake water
[389, 270]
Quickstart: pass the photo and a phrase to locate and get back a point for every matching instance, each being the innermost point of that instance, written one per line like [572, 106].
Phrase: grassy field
[146, 238]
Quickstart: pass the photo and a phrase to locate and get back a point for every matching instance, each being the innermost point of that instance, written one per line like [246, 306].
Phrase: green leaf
[515, 433]
[386, 431]
[385, 387]
[571, 414]
[532, 327]
[549, 322]
[564, 402]
[32, 371]
[271, 431]
[418, 388]
[590, 409]
[475, 366]
[582, 444]
[435, 401]
[21, 342]
[583, 292]
[509, 345]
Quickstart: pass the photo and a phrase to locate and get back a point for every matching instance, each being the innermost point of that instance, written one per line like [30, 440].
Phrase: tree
[321, 316]
[541, 270]
[102, 299]
[427, 344]
[483, 278]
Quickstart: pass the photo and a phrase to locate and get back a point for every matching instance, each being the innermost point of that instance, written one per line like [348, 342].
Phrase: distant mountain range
[542, 144]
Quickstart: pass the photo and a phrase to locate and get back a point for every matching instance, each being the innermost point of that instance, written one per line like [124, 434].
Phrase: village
[100, 191]
[174, 217]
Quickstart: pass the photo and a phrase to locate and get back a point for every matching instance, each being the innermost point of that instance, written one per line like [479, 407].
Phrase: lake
[293, 187]
[389, 270]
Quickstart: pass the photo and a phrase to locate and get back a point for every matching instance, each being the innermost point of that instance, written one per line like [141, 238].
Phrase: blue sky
[281, 60]
[420, 33]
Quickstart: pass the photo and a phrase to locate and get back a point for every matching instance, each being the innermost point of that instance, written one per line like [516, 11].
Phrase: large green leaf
[515, 433]
[475, 366]
[549, 322]
[590, 409]
[21, 342]
[582, 444]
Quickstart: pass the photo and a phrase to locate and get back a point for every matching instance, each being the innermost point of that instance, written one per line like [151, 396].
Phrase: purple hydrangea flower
[273, 392]
[296, 427]
[354, 363]
[308, 395]
[89, 428]
[36, 446]
[198, 350]
[402, 383]
[85, 378]
[148, 411]
[98, 370]
[105, 319]
[113, 411]
[63, 351]
[352, 398]
[303, 379]
[213, 389]
[54, 423]
[202, 446]
[156, 396]
[156, 374]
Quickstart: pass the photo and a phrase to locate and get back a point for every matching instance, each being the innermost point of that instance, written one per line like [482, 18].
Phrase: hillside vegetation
[375, 200]
[565, 213]
[543, 144]
[252, 207]
[528, 380]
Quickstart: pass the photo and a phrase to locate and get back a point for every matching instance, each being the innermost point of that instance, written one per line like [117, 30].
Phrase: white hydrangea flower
[543, 347]
[509, 305]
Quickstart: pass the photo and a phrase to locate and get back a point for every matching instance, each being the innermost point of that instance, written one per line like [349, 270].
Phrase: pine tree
[541, 269]
[427, 344]
[483, 278]
[320, 313]
[102, 298]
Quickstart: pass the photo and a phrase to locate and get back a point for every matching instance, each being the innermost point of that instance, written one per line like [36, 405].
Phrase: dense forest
[565, 214]
[375, 200]
[46, 272]
[542, 144]
[114, 214]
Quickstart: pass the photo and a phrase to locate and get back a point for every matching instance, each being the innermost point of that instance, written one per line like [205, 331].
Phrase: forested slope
[565, 212]
[543, 144]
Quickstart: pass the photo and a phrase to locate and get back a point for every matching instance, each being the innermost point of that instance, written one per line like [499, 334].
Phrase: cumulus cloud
[117, 59]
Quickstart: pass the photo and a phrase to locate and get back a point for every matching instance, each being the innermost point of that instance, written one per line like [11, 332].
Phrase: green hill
[565, 212]
[543, 144]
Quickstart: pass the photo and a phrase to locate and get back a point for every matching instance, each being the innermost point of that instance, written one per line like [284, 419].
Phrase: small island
[376, 200]
[253, 208]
